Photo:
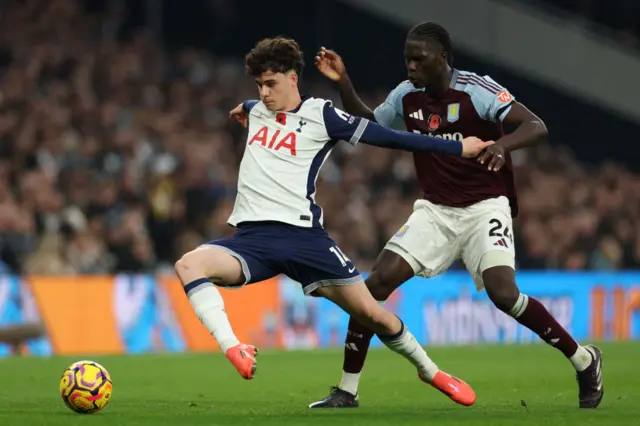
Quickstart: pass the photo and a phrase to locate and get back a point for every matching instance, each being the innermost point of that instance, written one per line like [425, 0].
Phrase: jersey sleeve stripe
[493, 84]
[484, 81]
[477, 81]
[359, 131]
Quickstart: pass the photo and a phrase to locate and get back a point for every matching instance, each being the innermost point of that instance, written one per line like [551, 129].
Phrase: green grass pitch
[204, 389]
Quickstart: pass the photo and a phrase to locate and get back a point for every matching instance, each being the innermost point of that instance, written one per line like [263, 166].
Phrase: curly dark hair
[277, 54]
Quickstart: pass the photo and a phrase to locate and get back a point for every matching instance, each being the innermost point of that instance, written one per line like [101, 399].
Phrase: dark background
[372, 49]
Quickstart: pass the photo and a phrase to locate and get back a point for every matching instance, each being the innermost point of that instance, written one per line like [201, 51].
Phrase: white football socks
[581, 359]
[407, 346]
[209, 308]
[350, 382]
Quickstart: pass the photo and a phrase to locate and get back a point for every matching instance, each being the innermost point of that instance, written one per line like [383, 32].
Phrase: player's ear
[293, 78]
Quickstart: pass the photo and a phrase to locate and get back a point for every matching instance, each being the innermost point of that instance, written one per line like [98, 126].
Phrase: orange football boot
[454, 388]
[243, 358]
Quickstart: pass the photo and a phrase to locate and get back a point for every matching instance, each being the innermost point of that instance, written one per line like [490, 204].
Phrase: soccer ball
[86, 387]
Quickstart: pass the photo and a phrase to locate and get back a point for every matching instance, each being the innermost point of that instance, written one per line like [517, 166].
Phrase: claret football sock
[533, 315]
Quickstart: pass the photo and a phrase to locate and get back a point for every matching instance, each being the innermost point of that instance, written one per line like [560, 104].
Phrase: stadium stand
[116, 155]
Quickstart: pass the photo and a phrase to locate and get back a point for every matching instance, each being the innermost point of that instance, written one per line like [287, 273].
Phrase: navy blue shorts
[306, 255]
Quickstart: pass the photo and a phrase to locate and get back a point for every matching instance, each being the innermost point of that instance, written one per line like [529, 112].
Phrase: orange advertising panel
[78, 314]
[613, 311]
[250, 310]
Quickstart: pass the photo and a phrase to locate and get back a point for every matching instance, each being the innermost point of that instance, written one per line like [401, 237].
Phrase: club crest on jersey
[281, 118]
[453, 113]
[403, 230]
[434, 122]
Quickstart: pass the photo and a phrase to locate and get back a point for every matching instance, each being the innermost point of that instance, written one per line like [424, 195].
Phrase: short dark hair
[431, 31]
[277, 54]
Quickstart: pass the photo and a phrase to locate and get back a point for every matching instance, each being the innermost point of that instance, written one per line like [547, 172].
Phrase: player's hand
[494, 157]
[330, 64]
[239, 114]
[473, 146]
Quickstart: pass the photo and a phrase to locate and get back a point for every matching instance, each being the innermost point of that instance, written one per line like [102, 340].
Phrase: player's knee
[389, 272]
[212, 263]
[188, 263]
[182, 265]
[501, 287]
[379, 285]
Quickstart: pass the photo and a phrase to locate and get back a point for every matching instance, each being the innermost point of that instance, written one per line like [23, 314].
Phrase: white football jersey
[283, 157]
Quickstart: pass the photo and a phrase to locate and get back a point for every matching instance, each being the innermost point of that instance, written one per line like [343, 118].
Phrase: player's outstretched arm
[377, 135]
[330, 64]
[342, 126]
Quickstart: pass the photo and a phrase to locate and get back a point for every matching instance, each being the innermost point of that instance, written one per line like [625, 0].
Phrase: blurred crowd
[118, 156]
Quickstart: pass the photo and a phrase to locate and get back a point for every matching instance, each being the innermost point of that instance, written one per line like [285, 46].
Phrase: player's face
[426, 62]
[276, 89]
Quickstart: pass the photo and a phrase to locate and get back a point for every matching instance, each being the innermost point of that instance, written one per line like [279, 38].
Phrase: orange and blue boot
[243, 358]
[456, 389]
